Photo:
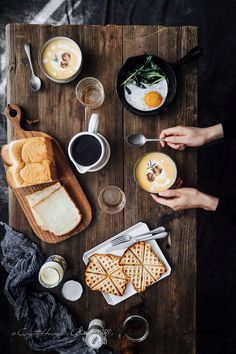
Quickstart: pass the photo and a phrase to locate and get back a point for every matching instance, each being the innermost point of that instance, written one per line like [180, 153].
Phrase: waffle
[141, 265]
[103, 273]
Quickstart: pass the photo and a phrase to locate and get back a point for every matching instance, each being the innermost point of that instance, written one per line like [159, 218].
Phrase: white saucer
[106, 157]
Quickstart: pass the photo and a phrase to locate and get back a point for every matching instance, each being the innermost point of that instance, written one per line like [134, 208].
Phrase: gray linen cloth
[38, 311]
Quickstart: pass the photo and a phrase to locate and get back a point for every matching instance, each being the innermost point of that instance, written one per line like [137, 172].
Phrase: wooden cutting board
[65, 174]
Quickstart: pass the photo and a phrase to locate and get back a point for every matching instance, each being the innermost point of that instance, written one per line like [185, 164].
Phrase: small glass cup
[135, 328]
[111, 199]
[90, 92]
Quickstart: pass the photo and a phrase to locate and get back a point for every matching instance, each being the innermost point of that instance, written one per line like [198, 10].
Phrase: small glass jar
[135, 328]
[111, 199]
[52, 271]
[95, 335]
[90, 92]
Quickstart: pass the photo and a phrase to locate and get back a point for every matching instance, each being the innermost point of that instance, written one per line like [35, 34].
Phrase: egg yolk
[152, 99]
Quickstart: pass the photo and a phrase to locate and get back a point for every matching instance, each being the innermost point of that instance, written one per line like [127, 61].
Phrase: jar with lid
[95, 337]
[52, 271]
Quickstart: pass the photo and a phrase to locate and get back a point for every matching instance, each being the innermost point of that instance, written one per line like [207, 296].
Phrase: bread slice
[15, 150]
[37, 150]
[37, 173]
[5, 156]
[14, 178]
[36, 197]
[57, 212]
[29, 162]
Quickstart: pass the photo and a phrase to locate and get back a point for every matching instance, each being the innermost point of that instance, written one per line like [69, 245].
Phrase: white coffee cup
[105, 148]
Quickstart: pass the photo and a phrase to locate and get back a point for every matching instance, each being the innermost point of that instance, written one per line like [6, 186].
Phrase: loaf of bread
[54, 210]
[29, 162]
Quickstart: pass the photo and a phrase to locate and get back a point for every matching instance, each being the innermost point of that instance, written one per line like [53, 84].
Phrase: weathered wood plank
[172, 302]
[105, 48]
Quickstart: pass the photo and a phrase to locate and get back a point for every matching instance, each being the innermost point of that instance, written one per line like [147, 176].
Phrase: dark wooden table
[171, 303]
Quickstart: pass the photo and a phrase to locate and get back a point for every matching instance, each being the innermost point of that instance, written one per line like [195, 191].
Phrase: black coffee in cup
[86, 150]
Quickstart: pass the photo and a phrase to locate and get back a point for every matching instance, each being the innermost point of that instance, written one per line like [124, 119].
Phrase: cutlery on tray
[127, 240]
[35, 82]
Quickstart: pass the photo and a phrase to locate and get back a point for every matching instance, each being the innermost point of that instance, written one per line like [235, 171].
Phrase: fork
[127, 237]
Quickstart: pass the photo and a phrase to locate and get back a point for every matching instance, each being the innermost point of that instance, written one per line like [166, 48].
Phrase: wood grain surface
[170, 303]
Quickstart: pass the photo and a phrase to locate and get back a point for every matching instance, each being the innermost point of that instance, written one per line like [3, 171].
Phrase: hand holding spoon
[35, 82]
[139, 140]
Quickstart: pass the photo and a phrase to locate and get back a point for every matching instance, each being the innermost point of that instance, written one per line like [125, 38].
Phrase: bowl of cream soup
[60, 59]
[155, 172]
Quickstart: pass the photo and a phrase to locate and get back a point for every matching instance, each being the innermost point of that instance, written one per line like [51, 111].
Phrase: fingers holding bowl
[178, 183]
[162, 200]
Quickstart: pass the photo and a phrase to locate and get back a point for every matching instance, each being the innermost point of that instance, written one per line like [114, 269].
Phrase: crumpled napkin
[38, 311]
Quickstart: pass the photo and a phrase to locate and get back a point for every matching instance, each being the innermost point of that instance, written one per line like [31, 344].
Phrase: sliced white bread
[36, 197]
[57, 212]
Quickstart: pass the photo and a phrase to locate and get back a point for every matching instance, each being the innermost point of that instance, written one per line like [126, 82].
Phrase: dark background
[216, 254]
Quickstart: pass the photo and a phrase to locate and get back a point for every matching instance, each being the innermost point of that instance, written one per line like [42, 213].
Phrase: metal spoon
[139, 139]
[35, 82]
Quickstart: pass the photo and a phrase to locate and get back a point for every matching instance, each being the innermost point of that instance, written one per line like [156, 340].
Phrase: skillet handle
[193, 54]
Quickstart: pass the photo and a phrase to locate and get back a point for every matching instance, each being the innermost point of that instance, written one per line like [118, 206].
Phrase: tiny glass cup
[136, 328]
[111, 199]
[90, 92]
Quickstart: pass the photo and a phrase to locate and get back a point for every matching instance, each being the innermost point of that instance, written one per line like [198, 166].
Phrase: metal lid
[72, 290]
[94, 339]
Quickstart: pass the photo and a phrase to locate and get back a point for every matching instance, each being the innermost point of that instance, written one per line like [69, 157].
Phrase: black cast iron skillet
[166, 68]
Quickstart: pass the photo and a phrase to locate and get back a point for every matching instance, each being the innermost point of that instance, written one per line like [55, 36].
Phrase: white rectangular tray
[133, 230]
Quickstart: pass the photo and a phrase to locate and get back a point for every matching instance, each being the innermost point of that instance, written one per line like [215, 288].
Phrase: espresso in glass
[86, 150]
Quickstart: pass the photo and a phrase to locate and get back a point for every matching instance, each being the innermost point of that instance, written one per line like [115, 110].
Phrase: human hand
[186, 198]
[179, 137]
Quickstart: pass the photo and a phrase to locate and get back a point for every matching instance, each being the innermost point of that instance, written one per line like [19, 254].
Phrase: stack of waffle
[103, 273]
[141, 265]
[110, 274]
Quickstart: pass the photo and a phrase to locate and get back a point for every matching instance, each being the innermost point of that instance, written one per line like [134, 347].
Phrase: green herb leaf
[148, 74]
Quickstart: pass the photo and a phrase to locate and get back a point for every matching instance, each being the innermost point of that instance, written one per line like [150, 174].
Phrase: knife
[136, 239]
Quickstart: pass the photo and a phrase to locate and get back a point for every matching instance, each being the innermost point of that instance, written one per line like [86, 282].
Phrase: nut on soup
[155, 172]
[61, 58]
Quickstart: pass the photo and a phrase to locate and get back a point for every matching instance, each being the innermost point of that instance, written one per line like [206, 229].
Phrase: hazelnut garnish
[157, 170]
[66, 57]
[64, 64]
[150, 177]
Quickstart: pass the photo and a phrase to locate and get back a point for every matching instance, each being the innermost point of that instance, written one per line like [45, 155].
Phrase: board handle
[14, 114]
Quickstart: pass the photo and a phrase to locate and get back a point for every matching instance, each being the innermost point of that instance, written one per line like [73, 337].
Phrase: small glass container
[111, 199]
[52, 271]
[90, 92]
[95, 335]
[135, 328]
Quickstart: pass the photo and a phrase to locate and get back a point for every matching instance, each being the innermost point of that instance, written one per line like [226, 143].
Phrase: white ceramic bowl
[41, 64]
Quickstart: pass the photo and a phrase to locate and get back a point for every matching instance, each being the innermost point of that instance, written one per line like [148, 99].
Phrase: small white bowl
[40, 60]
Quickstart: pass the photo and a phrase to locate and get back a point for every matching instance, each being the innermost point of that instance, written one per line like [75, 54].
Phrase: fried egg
[149, 98]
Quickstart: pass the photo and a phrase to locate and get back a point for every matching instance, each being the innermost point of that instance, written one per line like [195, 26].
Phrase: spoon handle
[28, 53]
[155, 139]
